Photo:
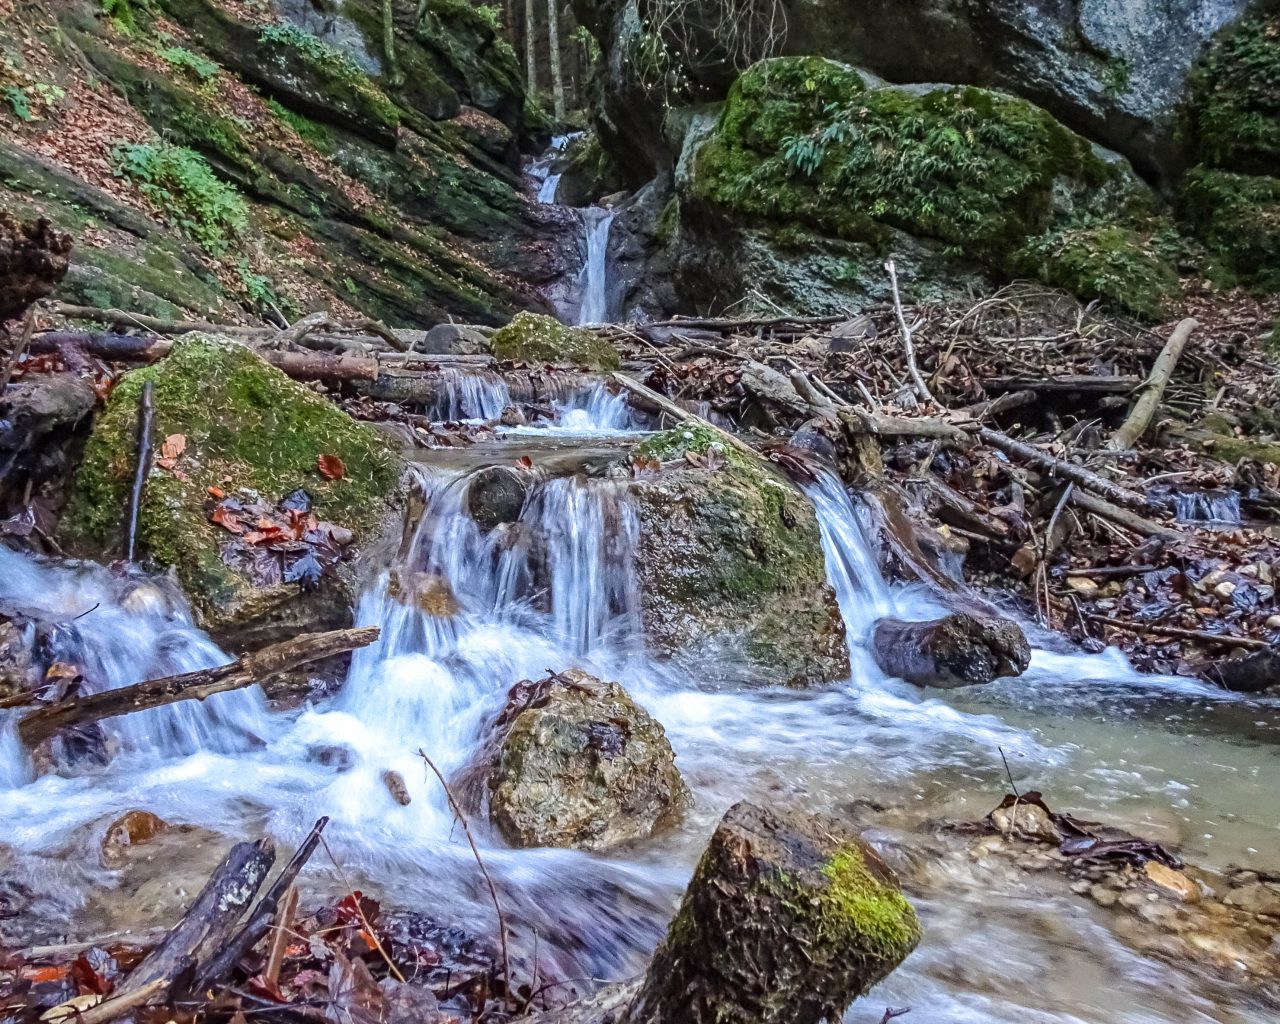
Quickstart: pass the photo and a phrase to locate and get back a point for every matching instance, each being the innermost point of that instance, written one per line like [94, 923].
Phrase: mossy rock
[1237, 217]
[536, 338]
[1122, 267]
[584, 767]
[787, 920]
[246, 422]
[730, 560]
[1235, 97]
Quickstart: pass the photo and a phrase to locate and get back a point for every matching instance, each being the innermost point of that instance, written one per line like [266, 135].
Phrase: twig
[1017, 797]
[891, 1012]
[146, 414]
[24, 339]
[908, 344]
[1183, 634]
[368, 928]
[1136, 423]
[110, 1009]
[475, 850]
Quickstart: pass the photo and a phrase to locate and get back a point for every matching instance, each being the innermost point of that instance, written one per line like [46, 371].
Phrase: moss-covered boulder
[536, 338]
[787, 920]
[961, 173]
[731, 567]
[1237, 217]
[244, 427]
[583, 766]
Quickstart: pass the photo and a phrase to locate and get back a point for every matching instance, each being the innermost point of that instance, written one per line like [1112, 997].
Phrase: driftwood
[124, 318]
[664, 404]
[1198, 635]
[908, 342]
[37, 726]
[1071, 383]
[142, 466]
[1139, 419]
[1130, 520]
[118, 1005]
[211, 919]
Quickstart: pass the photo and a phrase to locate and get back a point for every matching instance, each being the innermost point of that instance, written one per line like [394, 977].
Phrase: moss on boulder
[584, 766]
[787, 920]
[1237, 217]
[246, 426]
[730, 560]
[536, 338]
[1235, 97]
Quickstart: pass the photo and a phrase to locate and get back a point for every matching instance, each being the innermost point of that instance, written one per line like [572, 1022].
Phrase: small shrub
[123, 14]
[1237, 217]
[19, 102]
[197, 66]
[182, 184]
[1234, 97]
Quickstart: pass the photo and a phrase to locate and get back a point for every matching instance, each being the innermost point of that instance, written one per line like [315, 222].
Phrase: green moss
[243, 420]
[804, 139]
[1120, 266]
[691, 437]
[317, 135]
[534, 338]
[1235, 97]
[1238, 449]
[1237, 217]
[860, 909]
[199, 67]
[668, 221]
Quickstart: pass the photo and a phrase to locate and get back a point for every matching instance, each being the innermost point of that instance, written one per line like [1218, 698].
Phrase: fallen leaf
[174, 445]
[226, 518]
[166, 463]
[217, 492]
[331, 467]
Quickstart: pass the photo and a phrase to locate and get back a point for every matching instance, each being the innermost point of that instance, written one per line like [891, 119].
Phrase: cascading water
[1220, 508]
[466, 613]
[593, 281]
[470, 396]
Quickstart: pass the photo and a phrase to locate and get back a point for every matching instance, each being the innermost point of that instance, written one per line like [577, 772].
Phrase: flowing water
[1161, 756]
[1214, 507]
[593, 283]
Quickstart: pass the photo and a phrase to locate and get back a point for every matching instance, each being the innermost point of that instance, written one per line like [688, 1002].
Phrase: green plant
[1234, 92]
[123, 14]
[491, 15]
[1117, 76]
[305, 128]
[333, 66]
[18, 100]
[1237, 217]
[194, 64]
[182, 184]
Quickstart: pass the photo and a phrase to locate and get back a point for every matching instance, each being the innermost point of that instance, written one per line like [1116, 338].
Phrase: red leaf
[524, 462]
[226, 518]
[331, 467]
[217, 492]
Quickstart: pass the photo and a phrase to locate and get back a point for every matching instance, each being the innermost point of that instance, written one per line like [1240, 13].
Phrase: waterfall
[470, 396]
[1222, 508]
[541, 170]
[593, 281]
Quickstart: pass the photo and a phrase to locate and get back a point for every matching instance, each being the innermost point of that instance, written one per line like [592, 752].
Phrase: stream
[1164, 757]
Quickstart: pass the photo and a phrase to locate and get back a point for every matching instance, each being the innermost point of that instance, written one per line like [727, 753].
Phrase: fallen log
[1139, 419]
[883, 425]
[787, 920]
[1173, 632]
[141, 468]
[37, 726]
[1077, 474]
[211, 918]
[1069, 382]
[664, 404]
[124, 318]
[1130, 520]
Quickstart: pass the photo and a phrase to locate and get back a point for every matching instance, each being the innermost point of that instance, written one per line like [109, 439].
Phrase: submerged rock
[245, 428]
[787, 920]
[583, 766]
[496, 495]
[731, 567]
[535, 338]
[959, 650]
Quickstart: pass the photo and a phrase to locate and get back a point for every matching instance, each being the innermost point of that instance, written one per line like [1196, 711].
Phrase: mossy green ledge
[731, 569]
[246, 426]
[537, 338]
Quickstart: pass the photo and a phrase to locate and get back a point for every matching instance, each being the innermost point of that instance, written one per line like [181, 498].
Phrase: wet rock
[454, 339]
[395, 784]
[959, 650]
[1172, 881]
[1247, 673]
[15, 659]
[496, 495]
[536, 338]
[730, 565]
[787, 920]
[429, 592]
[582, 765]
[248, 430]
[1026, 821]
[133, 828]
[1256, 898]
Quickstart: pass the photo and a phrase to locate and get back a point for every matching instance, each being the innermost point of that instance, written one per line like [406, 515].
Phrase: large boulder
[958, 650]
[537, 338]
[730, 564]
[234, 426]
[829, 172]
[581, 765]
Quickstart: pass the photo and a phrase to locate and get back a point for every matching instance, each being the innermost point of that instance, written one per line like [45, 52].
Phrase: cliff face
[228, 158]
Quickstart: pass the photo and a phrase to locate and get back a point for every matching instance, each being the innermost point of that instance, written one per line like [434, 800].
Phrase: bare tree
[395, 77]
[553, 44]
[530, 47]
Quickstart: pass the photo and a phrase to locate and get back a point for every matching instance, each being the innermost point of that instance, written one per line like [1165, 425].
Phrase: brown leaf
[174, 445]
[166, 463]
[227, 519]
[331, 467]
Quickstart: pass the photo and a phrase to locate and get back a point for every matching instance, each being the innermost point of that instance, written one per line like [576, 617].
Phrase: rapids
[1161, 756]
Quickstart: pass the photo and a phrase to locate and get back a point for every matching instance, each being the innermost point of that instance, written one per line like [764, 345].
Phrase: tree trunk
[553, 45]
[531, 48]
[395, 77]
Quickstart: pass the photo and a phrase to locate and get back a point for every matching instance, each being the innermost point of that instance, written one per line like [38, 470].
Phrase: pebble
[1102, 896]
[1273, 622]
[1224, 590]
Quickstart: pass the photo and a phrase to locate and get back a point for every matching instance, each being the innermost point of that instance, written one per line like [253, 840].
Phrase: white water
[593, 280]
[1201, 507]
[541, 172]
[1153, 754]
[470, 396]
[478, 397]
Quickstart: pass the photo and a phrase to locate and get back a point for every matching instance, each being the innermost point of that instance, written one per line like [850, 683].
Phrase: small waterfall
[852, 568]
[470, 396]
[547, 190]
[1219, 507]
[596, 410]
[541, 170]
[593, 280]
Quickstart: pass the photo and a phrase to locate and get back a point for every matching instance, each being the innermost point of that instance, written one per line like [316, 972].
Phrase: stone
[730, 566]
[582, 766]
[537, 338]
[453, 339]
[133, 828]
[246, 426]
[15, 660]
[496, 495]
[1172, 881]
[1255, 898]
[787, 920]
[1026, 821]
[958, 650]
[1253, 672]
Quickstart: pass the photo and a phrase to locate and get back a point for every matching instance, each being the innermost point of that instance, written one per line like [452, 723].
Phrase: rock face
[245, 426]
[731, 567]
[787, 920]
[959, 650]
[582, 766]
